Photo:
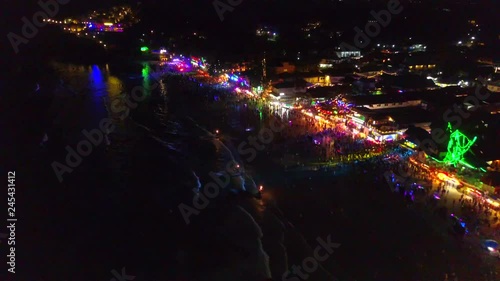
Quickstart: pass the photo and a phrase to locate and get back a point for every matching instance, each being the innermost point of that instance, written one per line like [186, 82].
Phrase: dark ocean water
[118, 206]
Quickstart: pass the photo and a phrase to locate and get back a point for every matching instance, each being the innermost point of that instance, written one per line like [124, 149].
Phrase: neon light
[234, 78]
[144, 49]
[467, 165]
[410, 144]
[108, 24]
[458, 146]
[360, 121]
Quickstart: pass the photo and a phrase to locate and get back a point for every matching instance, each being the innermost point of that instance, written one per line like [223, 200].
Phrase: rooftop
[403, 116]
[407, 81]
[284, 85]
[338, 72]
[379, 99]
[295, 84]
[320, 92]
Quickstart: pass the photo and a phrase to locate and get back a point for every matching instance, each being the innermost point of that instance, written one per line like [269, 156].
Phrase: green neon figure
[458, 145]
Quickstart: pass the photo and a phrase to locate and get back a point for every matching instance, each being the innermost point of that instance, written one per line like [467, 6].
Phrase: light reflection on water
[105, 89]
[109, 94]
[96, 79]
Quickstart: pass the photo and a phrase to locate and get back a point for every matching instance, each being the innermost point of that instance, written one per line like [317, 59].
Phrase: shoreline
[140, 207]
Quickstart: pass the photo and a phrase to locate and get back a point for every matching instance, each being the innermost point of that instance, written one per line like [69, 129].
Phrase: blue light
[96, 80]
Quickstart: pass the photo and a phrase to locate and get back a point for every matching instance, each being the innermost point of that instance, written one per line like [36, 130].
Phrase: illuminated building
[383, 125]
[289, 89]
[106, 27]
[268, 33]
[284, 67]
[420, 62]
[317, 78]
[348, 54]
[330, 62]
[417, 48]
[420, 67]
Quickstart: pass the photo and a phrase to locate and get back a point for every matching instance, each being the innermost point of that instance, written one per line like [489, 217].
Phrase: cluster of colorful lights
[182, 63]
[201, 63]
[247, 92]
[235, 80]
[105, 27]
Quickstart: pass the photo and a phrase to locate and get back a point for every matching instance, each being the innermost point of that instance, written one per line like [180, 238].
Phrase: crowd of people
[335, 143]
[309, 140]
[328, 143]
[480, 217]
